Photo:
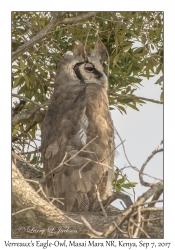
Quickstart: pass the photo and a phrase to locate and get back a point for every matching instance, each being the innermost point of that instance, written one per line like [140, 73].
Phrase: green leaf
[42, 71]
[129, 68]
[139, 101]
[17, 81]
[133, 106]
[127, 47]
[128, 89]
[134, 79]
[158, 31]
[127, 100]
[129, 185]
[159, 80]
[162, 96]
[16, 129]
[147, 72]
[22, 64]
[121, 108]
[138, 50]
[122, 180]
[152, 46]
[115, 60]
[27, 80]
[15, 67]
[133, 34]
[22, 89]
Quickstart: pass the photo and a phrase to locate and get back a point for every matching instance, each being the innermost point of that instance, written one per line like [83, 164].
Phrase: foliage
[122, 183]
[134, 42]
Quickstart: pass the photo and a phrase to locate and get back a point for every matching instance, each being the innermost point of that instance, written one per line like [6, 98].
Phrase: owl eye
[89, 67]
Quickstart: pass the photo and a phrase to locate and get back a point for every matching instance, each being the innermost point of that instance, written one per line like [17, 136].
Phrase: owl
[77, 136]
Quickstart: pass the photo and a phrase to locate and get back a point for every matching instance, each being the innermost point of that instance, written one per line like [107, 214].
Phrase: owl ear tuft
[99, 51]
[79, 51]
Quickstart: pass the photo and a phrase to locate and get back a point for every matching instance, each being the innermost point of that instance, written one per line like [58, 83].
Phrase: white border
[5, 107]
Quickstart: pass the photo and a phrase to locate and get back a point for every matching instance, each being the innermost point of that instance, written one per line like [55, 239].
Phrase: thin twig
[22, 210]
[134, 97]
[123, 147]
[22, 159]
[28, 100]
[71, 156]
[82, 168]
[157, 150]
[150, 202]
[32, 152]
[138, 224]
[57, 166]
[150, 219]
[141, 229]
[101, 204]
[136, 169]
[119, 228]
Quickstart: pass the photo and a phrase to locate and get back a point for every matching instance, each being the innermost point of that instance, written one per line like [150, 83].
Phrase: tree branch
[154, 189]
[134, 97]
[28, 100]
[57, 19]
[44, 215]
[23, 133]
[118, 195]
[157, 150]
[19, 107]
[29, 115]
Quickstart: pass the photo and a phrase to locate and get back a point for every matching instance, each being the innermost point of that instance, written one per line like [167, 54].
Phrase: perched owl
[77, 133]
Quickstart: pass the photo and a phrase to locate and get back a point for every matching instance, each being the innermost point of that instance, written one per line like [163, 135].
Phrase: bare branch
[134, 97]
[22, 210]
[63, 162]
[140, 229]
[78, 18]
[150, 202]
[29, 115]
[123, 146]
[138, 226]
[28, 100]
[157, 150]
[118, 195]
[101, 204]
[136, 169]
[23, 133]
[32, 152]
[19, 157]
[90, 228]
[154, 189]
[57, 19]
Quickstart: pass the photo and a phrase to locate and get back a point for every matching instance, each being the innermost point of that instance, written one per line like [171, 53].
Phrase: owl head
[82, 69]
